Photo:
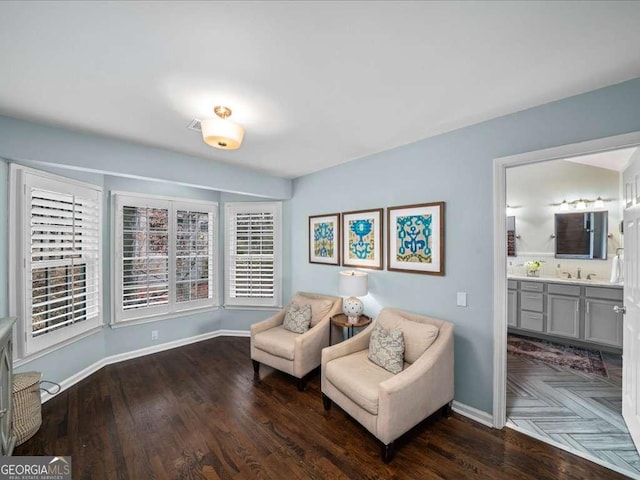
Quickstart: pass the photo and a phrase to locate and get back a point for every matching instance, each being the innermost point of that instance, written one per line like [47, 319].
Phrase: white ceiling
[611, 160]
[315, 83]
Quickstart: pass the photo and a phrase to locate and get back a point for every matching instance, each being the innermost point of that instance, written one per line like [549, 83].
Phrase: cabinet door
[512, 308]
[602, 324]
[563, 316]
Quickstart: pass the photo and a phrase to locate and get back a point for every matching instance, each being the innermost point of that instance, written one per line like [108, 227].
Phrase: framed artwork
[324, 239]
[362, 239]
[415, 238]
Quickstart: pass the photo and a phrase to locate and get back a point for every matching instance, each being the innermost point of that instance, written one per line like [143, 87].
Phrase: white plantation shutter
[62, 289]
[165, 251]
[253, 260]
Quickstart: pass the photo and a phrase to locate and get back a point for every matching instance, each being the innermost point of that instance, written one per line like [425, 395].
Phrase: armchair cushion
[358, 378]
[417, 336]
[297, 318]
[386, 348]
[277, 341]
[319, 306]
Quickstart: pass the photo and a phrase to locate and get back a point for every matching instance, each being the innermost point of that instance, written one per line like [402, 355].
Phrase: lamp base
[352, 307]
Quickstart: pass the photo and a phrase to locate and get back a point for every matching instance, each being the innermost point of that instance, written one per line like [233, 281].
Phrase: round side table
[340, 320]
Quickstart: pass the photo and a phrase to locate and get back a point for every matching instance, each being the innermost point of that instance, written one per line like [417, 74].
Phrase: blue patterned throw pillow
[386, 348]
[297, 318]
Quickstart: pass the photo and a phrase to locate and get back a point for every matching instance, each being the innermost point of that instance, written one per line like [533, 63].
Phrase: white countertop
[571, 281]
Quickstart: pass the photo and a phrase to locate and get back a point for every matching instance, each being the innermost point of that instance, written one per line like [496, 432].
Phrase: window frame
[233, 208]
[21, 179]
[120, 316]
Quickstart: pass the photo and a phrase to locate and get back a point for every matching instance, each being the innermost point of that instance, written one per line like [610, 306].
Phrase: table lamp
[353, 284]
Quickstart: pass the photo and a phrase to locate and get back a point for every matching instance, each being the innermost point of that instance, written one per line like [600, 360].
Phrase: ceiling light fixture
[220, 132]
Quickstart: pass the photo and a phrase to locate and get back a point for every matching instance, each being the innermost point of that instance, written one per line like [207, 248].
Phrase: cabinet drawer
[512, 284]
[563, 289]
[531, 301]
[531, 321]
[603, 292]
[532, 286]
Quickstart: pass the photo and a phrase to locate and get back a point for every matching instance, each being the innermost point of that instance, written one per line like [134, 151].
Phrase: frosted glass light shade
[222, 133]
[353, 284]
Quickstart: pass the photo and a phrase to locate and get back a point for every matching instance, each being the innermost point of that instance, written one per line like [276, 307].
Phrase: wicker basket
[27, 414]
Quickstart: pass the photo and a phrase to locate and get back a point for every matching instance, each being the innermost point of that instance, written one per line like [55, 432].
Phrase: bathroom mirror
[581, 235]
[511, 236]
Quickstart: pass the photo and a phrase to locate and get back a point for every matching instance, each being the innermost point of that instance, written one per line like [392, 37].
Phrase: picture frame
[362, 238]
[324, 239]
[415, 238]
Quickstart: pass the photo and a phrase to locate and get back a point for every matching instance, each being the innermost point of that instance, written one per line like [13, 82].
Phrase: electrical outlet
[154, 334]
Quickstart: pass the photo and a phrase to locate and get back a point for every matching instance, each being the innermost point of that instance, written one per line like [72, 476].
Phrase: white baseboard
[121, 357]
[473, 413]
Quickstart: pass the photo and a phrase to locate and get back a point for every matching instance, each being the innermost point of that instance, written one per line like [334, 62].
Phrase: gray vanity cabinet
[577, 314]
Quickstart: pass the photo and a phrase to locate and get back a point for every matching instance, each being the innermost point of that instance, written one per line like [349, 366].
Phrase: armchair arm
[354, 344]
[308, 347]
[412, 395]
[270, 322]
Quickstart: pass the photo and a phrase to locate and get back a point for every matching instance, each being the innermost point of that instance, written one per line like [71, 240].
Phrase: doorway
[561, 303]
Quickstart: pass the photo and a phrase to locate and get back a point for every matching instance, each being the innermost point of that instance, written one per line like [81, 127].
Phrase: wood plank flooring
[577, 409]
[197, 412]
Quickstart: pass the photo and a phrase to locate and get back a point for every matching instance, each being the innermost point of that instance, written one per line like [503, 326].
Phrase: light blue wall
[85, 157]
[457, 168]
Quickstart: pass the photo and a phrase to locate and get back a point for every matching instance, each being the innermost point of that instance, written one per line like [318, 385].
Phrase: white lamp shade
[353, 284]
[222, 133]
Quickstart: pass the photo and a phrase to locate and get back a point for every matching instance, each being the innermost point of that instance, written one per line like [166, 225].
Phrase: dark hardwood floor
[197, 412]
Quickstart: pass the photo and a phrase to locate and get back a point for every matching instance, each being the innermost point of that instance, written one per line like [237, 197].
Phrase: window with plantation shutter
[253, 258]
[61, 247]
[165, 253]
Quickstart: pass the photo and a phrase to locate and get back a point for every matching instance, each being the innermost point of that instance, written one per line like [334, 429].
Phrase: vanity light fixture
[220, 132]
[599, 203]
[564, 206]
[581, 204]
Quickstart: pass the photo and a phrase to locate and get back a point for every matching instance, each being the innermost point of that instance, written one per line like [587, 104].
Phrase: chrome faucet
[578, 277]
[567, 274]
[590, 275]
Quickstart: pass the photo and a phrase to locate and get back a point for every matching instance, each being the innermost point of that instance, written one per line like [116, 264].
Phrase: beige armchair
[389, 405]
[294, 353]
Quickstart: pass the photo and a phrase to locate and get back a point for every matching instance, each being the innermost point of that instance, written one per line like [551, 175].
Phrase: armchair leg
[326, 402]
[387, 452]
[446, 410]
[301, 384]
[256, 367]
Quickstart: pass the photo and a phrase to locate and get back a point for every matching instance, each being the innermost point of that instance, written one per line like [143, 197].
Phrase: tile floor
[577, 409]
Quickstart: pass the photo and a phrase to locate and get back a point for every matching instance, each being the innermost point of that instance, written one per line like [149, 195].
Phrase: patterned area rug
[588, 361]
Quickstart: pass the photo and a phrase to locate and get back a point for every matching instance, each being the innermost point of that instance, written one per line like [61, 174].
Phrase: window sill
[164, 316]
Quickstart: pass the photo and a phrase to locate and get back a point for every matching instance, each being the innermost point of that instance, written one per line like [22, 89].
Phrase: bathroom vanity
[576, 312]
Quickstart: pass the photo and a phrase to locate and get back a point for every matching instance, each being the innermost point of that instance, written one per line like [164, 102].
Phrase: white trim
[567, 448]
[499, 247]
[252, 307]
[474, 414]
[121, 357]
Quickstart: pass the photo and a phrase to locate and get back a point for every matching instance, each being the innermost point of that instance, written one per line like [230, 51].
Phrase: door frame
[500, 166]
